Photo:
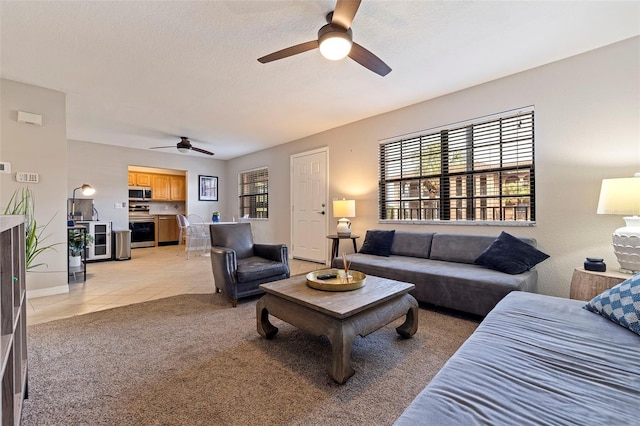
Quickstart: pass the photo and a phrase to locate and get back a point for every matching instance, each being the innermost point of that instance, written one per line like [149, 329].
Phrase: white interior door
[309, 205]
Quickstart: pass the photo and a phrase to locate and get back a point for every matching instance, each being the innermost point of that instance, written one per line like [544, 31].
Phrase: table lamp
[622, 196]
[86, 190]
[344, 209]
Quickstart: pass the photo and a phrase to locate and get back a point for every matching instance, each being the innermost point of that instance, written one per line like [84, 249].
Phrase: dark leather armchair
[240, 266]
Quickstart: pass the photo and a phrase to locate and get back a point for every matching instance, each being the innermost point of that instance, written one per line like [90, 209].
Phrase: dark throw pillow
[510, 255]
[620, 304]
[378, 242]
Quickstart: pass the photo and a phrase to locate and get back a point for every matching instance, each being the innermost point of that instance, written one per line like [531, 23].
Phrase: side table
[335, 246]
[585, 285]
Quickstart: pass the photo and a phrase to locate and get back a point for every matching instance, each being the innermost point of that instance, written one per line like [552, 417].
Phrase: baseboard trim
[50, 291]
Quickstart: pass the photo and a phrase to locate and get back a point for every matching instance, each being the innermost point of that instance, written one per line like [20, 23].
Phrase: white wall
[105, 168]
[64, 165]
[587, 127]
[41, 150]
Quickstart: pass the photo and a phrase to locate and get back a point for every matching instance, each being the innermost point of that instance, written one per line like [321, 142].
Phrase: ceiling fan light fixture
[334, 42]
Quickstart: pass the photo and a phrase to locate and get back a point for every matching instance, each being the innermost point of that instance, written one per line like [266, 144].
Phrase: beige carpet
[192, 359]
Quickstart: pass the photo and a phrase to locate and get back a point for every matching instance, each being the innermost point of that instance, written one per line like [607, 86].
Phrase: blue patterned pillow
[620, 304]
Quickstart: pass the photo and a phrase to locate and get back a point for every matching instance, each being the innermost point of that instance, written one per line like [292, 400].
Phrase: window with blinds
[253, 193]
[477, 172]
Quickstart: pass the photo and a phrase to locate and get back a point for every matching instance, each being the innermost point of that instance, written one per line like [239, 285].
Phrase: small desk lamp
[622, 196]
[86, 190]
[344, 209]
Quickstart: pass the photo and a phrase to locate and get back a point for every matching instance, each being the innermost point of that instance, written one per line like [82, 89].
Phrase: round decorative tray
[334, 280]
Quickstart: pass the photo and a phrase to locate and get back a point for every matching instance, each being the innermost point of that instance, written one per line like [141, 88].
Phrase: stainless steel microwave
[139, 193]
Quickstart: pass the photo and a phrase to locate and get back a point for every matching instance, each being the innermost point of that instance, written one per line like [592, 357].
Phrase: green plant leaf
[22, 203]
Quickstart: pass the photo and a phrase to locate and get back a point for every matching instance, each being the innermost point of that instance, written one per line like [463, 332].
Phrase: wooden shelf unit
[73, 270]
[13, 318]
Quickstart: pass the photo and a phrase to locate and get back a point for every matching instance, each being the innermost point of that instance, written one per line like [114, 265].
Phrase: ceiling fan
[335, 41]
[184, 146]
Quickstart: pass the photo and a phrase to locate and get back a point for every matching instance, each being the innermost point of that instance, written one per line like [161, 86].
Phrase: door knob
[322, 212]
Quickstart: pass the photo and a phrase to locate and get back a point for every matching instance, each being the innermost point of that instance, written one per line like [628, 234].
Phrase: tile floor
[152, 273]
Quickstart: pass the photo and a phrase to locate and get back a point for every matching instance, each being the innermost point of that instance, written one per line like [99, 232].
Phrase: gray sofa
[442, 268]
[536, 360]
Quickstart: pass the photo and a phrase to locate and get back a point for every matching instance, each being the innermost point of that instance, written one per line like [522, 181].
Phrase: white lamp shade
[620, 196]
[344, 208]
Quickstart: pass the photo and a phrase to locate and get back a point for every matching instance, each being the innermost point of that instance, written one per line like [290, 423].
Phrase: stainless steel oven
[142, 225]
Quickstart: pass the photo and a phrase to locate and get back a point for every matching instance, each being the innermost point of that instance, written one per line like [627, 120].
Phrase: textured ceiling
[142, 73]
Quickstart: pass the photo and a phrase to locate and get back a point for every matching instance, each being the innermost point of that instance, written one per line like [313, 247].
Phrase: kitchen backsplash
[168, 207]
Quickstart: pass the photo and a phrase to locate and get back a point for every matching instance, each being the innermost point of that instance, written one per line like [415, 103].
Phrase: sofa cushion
[235, 236]
[378, 242]
[510, 255]
[414, 244]
[459, 248]
[462, 286]
[256, 268]
[620, 304]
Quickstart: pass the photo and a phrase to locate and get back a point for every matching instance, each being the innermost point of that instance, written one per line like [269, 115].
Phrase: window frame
[444, 160]
[253, 193]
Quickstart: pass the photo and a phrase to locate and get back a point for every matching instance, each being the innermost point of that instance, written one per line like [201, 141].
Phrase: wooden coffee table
[338, 315]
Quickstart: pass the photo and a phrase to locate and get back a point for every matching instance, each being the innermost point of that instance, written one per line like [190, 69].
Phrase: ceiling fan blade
[345, 12]
[368, 60]
[160, 147]
[204, 151]
[289, 51]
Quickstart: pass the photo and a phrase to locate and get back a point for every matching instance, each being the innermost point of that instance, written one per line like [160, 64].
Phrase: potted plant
[23, 203]
[77, 244]
[215, 217]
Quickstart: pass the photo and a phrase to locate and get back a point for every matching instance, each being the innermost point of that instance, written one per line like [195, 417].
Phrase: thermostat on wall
[29, 118]
[5, 167]
[27, 177]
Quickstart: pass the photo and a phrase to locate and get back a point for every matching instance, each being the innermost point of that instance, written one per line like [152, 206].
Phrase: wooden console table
[585, 285]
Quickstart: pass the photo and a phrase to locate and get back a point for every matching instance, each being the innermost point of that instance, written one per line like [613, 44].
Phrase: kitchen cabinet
[160, 188]
[177, 188]
[168, 231]
[139, 179]
[101, 233]
[168, 188]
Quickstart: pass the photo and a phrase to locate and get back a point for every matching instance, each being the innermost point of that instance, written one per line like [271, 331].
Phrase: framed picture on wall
[207, 188]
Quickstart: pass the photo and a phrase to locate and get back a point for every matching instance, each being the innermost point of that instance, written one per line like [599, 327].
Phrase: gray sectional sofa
[442, 268]
[536, 360]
